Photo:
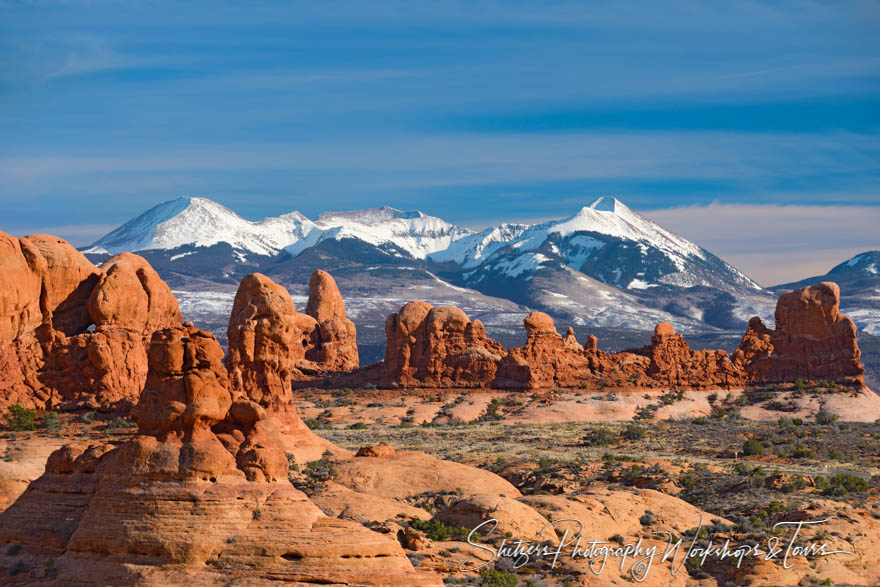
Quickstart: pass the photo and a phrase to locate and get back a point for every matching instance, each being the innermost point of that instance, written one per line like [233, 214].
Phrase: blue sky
[476, 112]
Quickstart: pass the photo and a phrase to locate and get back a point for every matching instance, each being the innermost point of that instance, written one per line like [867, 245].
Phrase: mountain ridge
[606, 264]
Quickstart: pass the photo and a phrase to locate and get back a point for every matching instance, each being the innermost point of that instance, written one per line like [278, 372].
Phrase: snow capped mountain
[414, 233]
[605, 263]
[867, 263]
[202, 223]
[608, 241]
[469, 251]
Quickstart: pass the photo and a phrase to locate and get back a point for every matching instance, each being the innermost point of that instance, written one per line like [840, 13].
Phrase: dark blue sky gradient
[476, 112]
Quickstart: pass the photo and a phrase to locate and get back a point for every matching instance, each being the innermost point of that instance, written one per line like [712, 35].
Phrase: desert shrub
[117, 423]
[825, 417]
[634, 432]
[802, 452]
[19, 418]
[50, 422]
[315, 424]
[647, 518]
[753, 447]
[497, 578]
[358, 426]
[687, 479]
[439, 531]
[844, 483]
[491, 412]
[599, 437]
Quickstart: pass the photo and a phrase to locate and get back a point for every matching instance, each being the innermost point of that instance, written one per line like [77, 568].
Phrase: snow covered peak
[863, 263]
[608, 204]
[416, 233]
[611, 217]
[202, 222]
[472, 249]
[368, 216]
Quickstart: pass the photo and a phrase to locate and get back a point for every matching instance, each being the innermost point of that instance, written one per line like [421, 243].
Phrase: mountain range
[604, 266]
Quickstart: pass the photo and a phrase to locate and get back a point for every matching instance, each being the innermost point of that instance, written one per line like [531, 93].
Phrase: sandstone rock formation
[549, 360]
[812, 340]
[336, 345]
[673, 363]
[200, 495]
[73, 335]
[269, 346]
[438, 347]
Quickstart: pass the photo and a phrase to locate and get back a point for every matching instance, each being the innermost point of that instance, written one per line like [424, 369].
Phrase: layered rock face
[200, 495]
[73, 335]
[438, 347]
[812, 340]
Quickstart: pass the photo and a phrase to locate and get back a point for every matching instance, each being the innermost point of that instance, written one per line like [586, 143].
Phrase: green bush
[825, 417]
[599, 437]
[634, 432]
[439, 531]
[844, 483]
[50, 422]
[497, 578]
[19, 418]
[491, 413]
[358, 426]
[753, 447]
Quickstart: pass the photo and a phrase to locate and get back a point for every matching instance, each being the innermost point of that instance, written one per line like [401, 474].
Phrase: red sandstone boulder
[51, 296]
[68, 283]
[131, 295]
[268, 340]
[438, 347]
[812, 340]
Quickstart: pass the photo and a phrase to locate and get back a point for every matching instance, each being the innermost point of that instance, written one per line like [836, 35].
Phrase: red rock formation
[673, 363]
[268, 339]
[337, 338]
[812, 340]
[549, 360]
[269, 346]
[272, 345]
[51, 296]
[438, 347]
[200, 496]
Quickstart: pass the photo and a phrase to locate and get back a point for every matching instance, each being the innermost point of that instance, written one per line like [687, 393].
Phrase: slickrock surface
[200, 495]
[439, 347]
[73, 335]
[812, 340]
